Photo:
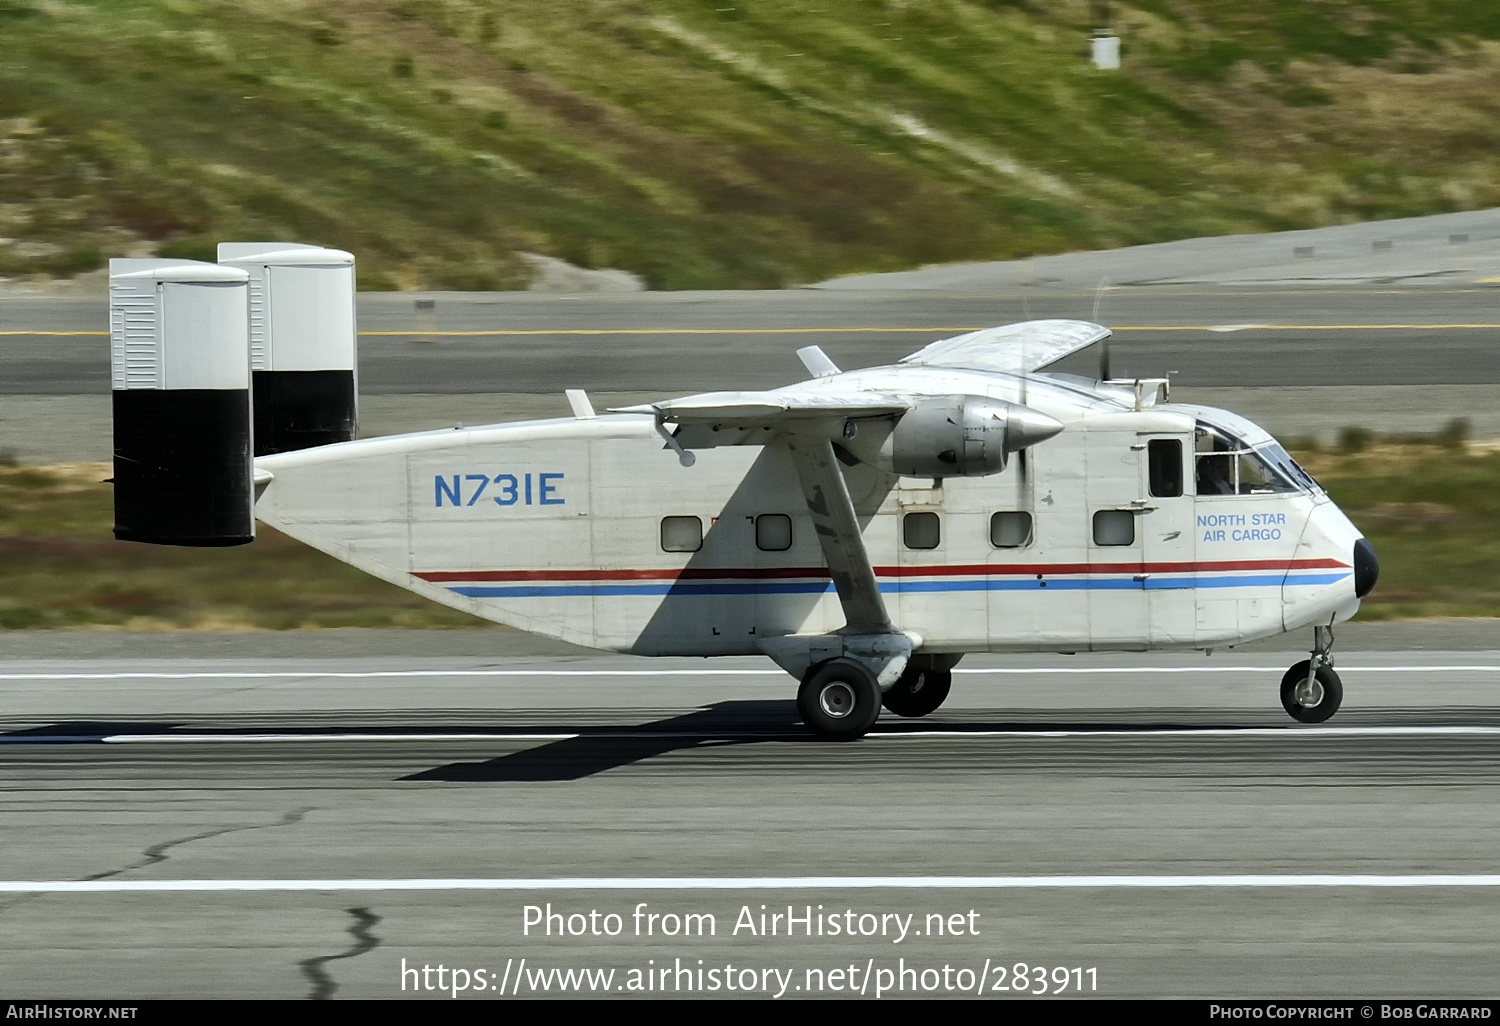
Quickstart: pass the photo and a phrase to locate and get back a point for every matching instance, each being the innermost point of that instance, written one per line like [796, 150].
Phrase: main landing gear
[840, 699]
[1311, 692]
[922, 687]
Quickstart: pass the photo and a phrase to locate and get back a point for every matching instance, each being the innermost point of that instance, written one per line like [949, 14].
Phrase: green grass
[60, 568]
[1432, 512]
[745, 145]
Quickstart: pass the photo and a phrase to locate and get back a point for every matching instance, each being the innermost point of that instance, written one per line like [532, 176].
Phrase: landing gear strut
[1311, 691]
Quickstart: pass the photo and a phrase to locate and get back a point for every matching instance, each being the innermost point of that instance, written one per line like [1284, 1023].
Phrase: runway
[1253, 335]
[1303, 361]
[292, 826]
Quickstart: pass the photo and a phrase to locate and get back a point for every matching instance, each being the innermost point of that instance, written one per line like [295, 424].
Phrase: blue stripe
[1271, 580]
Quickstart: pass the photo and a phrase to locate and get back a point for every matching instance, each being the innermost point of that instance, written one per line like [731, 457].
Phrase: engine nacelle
[961, 436]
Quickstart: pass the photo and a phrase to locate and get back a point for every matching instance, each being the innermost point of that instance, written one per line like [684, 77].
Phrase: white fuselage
[557, 527]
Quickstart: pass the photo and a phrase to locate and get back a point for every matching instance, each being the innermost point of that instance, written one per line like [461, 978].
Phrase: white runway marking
[1300, 733]
[356, 675]
[711, 883]
[1001, 671]
[1291, 733]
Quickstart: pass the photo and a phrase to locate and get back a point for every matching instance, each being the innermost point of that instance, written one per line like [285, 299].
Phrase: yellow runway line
[1220, 328]
[508, 332]
[665, 331]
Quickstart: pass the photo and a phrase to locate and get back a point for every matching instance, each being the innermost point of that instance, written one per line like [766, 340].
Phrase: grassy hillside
[728, 143]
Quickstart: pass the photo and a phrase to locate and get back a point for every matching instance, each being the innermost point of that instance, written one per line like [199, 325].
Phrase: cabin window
[681, 534]
[1114, 527]
[1010, 529]
[1164, 457]
[921, 530]
[773, 532]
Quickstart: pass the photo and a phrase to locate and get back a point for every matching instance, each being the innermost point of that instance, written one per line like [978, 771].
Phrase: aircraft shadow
[728, 724]
[732, 723]
[85, 731]
[685, 621]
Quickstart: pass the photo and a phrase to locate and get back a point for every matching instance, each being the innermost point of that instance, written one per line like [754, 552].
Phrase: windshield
[1283, 461]
[1227, 466]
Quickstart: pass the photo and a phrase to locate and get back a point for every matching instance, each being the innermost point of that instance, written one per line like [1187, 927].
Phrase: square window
[773, 532]
[1114, 527]
[1165, 459]
[921, 530]
[681, 534]
[1010, 529]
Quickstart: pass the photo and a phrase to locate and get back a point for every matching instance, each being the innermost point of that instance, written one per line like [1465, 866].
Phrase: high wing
[757, 409]
[1010, 348]
[751, 418]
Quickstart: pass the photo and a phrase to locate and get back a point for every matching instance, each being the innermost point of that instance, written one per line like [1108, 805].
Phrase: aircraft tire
[839, 700]
[918, 692]
[1333, 694]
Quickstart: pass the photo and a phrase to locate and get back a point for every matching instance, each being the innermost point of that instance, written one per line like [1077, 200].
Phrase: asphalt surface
[1304, 361]
[1175, 776]
[672, 343]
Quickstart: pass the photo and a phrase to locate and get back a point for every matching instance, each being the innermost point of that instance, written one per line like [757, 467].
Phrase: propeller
[1023, 464]
[1104, 374]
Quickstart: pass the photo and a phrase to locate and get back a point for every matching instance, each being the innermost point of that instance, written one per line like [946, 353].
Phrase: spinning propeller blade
[1104, 344]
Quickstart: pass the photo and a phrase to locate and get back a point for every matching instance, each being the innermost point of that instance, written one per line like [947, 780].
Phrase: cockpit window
[1227, 466]
[1282, 461]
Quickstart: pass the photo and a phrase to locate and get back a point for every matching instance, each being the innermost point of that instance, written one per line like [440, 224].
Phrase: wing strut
[868, 634]
[839, 535]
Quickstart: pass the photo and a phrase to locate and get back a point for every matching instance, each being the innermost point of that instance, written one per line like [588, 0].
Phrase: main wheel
[839, 700]
[1311, 704]
[918, 692]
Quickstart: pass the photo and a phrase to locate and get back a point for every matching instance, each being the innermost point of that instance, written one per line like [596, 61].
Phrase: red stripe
[687, 574]
[818, 572]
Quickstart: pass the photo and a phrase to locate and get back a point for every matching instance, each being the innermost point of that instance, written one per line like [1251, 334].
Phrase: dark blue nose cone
[1366, 568]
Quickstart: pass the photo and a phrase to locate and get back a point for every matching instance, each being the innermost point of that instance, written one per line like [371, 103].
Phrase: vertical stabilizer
[181, 383]
[302, 343]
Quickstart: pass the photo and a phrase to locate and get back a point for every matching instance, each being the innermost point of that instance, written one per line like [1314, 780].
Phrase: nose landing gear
[1311, 692]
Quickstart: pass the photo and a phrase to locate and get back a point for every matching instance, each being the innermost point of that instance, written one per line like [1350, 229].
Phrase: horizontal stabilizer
[1010, 348]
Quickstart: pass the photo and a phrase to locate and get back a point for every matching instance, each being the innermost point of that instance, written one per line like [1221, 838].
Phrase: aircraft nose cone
[1366, 568]
[1025, 427]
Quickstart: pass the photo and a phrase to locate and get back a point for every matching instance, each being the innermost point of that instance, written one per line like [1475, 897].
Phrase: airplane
[864, 529]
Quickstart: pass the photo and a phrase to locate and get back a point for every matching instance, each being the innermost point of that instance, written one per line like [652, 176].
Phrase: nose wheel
[1311, 698]
[1311, 692]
